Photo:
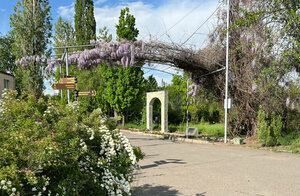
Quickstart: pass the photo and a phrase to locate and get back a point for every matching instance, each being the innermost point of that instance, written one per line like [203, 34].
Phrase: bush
[51, 149]
[269, 131]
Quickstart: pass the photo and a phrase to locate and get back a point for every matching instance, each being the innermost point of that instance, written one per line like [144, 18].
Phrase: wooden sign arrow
[88, 93]
[67, 80]
[63, 86]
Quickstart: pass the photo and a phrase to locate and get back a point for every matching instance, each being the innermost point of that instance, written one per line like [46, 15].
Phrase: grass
[204, 128]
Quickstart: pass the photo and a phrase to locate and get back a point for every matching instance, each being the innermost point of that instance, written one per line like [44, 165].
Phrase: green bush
[269, 131]
[51, 149]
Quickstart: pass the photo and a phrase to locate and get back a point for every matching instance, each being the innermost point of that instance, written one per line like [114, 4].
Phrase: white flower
[33, 189]
[13, 189]
[2, 182]
[4, 187]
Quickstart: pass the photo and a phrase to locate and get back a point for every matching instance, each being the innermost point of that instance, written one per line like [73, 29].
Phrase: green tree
[85, 24]
[126, 27]
[103, 35]
[7, 58]
[64, 35]
[31, 28]
[125, 87]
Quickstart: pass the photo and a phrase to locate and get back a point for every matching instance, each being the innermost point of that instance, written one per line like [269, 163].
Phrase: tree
[126, 27]
[125, 86]
[103, 35]
[7, 58]
[85, 24]
[31, 28]
[64, 35]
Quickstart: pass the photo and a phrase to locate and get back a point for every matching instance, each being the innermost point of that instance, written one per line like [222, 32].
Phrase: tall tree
[31, 28]
[7, 58]
[64, 35]
[85, 24]
[125, 86]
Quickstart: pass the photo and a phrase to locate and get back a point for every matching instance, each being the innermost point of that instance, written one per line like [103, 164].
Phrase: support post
[187, 106]
[67, 72]
[226, 77]
[60, 72]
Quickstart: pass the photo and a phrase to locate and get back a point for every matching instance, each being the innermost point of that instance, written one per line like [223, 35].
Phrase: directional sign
[88, 93]
[63, 86]
[68, 80]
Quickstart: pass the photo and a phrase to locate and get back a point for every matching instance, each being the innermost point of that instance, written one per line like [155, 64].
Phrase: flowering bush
[50, 149]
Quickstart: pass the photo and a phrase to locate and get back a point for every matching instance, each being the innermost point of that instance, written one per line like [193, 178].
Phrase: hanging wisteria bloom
[254, 88]
[114, 53]
[28, 59]
[254, 50]
[193, 90]
[293, 106]
[253, 64]
[287, 102]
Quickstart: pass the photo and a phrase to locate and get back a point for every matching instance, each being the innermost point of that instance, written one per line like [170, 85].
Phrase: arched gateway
[163, 98]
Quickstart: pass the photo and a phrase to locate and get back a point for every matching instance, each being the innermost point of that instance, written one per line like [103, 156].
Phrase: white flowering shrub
[50, 149]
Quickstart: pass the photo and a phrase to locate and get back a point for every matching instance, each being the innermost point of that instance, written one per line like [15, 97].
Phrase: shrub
[269, 130]
[51, 149]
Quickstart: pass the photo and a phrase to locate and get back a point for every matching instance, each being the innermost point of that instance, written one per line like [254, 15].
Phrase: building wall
[10, 78]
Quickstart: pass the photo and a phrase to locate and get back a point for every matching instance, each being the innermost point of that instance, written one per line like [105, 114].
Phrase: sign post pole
[67, 71]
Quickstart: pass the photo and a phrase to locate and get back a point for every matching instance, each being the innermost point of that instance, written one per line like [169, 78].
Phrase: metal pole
[187, 106]
[226, 77]
[60, 72]
[67, 72]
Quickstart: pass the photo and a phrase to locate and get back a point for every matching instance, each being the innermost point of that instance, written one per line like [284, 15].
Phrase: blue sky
[163, 20]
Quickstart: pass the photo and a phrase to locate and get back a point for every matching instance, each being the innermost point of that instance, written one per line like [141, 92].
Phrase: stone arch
[163, 98]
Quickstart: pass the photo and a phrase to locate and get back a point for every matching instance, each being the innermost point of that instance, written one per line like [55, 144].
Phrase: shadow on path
[163, 162]
[148, 190]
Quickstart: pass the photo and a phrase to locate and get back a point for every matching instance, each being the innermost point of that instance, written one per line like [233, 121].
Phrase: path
[173, 168]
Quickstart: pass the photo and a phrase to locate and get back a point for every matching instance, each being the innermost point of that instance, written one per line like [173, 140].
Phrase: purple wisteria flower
[253, 64]
[293, 106]
[254, 88]
[287, 102]
[254, 50]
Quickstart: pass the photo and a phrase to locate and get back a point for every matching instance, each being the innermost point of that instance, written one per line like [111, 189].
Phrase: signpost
[88, 93]
[63, 86]
[70, 80]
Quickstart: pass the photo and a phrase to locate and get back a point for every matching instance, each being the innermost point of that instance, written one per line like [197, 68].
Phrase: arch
[163, 98]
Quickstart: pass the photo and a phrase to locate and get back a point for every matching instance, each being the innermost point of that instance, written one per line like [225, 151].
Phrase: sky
[162, 20]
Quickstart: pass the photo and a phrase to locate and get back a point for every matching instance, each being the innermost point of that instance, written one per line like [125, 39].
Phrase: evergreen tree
[85, 24]
[31, 28]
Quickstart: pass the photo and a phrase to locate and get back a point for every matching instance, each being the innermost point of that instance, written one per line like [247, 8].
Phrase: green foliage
[31, 28]
[64, 35]
[7, 58]
[85, 24]
[126, 27]
[48, 148]
[103, 35]
[269, 130]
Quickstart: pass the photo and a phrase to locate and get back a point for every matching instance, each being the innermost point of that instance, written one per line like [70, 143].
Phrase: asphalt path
[176, 168]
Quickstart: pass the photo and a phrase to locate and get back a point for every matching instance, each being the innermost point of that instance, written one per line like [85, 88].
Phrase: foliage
[261, 62]
[126, 27]
[103, 35]
[269, 133]
[7, 58]
[85, 24]
[49, 149]
[31, 28]
[64, 35]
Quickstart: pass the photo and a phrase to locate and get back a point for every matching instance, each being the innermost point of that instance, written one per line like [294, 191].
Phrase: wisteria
[127, 53]
[287, 102]
[28, 59]
[298, 12]
[193, 90]
[254, 88]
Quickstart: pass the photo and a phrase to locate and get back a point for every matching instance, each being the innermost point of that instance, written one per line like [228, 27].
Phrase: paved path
[173, 168]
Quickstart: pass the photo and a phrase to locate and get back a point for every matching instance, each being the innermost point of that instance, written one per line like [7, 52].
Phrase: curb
[168, 137]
